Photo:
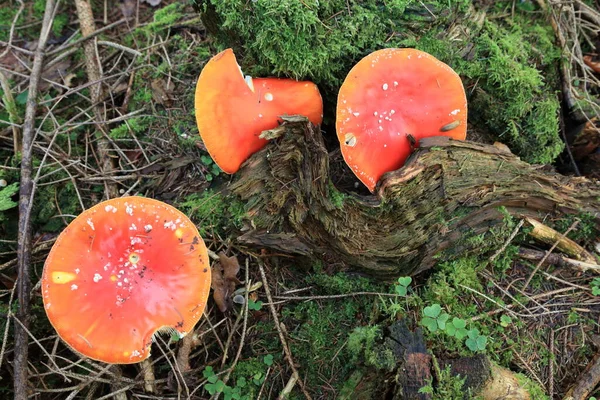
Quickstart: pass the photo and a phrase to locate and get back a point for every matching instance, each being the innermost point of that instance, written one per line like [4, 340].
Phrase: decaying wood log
[447, 190]
[416, 369]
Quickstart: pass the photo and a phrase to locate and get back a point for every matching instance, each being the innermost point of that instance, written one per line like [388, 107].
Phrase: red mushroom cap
[119, 272]
[232, 112]
[389, 95]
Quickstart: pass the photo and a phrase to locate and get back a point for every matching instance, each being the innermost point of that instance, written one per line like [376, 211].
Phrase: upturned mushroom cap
[232, 112]
[389, 95]
[119, 272]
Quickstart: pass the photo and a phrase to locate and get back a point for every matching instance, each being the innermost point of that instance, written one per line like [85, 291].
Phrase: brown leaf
[219, 288]
[55, 75]
[224, 280]
[593, 64]
[162, 93]
[231, 267]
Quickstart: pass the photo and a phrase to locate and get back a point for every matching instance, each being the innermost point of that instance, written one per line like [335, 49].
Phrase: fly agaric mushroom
[119, 272]
[231, 111]
[391, 97]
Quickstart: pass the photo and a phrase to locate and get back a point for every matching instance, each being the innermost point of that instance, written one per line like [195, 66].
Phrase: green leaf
[401, 290]
[481, 342]
[430, 324]
[212, 379]
[211, 388]
[461, 333]
[22, 97]
[404, 281]
[505, 320]
[220, 385]
[471, 344]
[442, 319]
[268, 360]
[254, 305]
[451, 329]
[208, 372]
[241, 382]
[208, 177]
[206, 160]
[432, 311]
[459, 323]
[6, 203]
[473, 333]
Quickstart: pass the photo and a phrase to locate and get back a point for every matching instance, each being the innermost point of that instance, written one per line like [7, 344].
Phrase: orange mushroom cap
[119, 272]
[232, 112]
[389, 95]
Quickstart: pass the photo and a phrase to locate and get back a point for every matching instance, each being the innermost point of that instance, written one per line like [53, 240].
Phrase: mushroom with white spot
[109, 310]
[232, 111]
[419, 96]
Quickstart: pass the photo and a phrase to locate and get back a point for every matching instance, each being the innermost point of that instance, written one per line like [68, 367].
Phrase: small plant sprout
[401, 287]
[433, 318]
[505, 321]
[457, 328]
[268, 360]
[595, 285]
[475, 341]
[254, 305]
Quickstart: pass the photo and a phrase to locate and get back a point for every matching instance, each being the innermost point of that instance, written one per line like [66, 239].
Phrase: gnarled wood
[448, 189]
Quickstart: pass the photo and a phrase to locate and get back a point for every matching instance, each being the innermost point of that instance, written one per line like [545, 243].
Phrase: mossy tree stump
[447, 191]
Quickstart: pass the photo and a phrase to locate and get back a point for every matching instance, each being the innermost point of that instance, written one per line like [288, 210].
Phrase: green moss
[535, 391]
[212, 211]
[448, 387]
[136, 125]
[342, 283]
[316, 40]
[165, 17]
[363, 346]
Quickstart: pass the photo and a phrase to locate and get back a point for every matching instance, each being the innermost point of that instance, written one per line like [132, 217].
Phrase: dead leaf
[162, 93]
[224, 280]
[128, 8]
[10, 61]
[231, 267]
[587, 141]
[593, 64]
[55, 75]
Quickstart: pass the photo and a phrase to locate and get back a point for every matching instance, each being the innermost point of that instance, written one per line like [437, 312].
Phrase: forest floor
[137, 135]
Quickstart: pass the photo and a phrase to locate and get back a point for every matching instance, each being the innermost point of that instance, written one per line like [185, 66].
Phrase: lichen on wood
[448, 190]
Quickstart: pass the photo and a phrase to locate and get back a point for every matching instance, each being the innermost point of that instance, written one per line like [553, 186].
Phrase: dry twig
[286, 348]
[26, 194]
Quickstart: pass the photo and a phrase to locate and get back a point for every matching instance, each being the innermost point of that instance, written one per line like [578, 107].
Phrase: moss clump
[319, 40]
[512, 97]
[213, 211]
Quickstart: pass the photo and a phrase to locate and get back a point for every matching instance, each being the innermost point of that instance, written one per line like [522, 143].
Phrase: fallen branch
[92, 66]
[586, 382]
[26, 194]
[559, 260]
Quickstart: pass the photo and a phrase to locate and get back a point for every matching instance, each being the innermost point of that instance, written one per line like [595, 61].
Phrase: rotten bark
[447, 190]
